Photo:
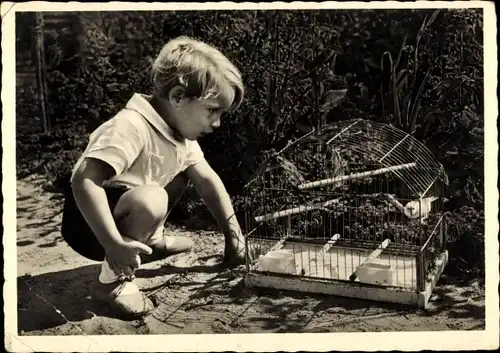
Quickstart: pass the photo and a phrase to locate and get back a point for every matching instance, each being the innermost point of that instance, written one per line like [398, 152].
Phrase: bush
[466, 243]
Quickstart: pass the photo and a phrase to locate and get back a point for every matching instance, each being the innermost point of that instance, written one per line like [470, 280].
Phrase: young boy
[137, 165]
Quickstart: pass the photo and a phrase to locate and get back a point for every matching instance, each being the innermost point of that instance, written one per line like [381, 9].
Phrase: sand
[193, 294]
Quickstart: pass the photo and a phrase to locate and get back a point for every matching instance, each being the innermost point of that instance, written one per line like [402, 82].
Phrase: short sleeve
[195, 155]
[117, 142]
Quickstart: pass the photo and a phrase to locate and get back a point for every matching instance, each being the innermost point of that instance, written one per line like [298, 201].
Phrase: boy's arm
[213, 192]
[92, 201]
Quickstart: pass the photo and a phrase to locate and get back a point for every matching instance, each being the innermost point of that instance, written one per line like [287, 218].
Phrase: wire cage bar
[356, 202]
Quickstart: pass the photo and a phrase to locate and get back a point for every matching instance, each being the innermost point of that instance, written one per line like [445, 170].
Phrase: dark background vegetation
[420, 70]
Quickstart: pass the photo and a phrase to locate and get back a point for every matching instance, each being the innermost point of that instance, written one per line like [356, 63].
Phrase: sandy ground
[192, 294]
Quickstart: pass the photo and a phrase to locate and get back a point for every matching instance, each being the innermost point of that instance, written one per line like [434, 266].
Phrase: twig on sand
[165, 320]
[354, 318]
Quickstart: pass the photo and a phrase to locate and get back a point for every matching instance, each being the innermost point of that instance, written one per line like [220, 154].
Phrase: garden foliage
[421, 71]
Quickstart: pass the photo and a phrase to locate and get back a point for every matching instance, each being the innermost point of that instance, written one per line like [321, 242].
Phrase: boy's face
[197, 117]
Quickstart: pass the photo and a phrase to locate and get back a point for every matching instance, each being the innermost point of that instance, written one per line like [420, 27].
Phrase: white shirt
[140, 147]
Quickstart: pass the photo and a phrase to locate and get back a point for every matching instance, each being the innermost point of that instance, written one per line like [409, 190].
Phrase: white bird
[419, 208]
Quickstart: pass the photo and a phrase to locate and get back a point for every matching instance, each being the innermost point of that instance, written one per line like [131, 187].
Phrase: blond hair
[201, 69]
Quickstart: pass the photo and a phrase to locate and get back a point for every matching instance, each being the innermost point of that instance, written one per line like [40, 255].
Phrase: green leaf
[400, 75]
[400, 54]
[416, 104]
[433, 17]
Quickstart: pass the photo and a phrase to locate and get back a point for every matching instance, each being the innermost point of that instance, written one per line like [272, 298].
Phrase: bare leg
[138, 214]
[175, 190]
[141, 216]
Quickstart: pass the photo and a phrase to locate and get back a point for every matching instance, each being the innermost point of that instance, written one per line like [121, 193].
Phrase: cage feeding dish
[353, 209]
[277, 261]
[374, 273]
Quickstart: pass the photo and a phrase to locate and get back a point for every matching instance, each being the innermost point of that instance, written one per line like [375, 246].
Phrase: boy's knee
[145, 204]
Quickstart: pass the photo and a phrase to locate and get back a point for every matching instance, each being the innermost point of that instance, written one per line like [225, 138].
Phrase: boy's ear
[176, 94]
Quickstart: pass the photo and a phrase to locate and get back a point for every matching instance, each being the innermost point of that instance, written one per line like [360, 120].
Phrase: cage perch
[330, 242]
[392, 200]
[295, 210]
[356, 176]
[307, 271]
[371, 257]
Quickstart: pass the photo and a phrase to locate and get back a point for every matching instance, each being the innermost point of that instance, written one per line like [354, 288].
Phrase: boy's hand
[234, 250]
[123, 258]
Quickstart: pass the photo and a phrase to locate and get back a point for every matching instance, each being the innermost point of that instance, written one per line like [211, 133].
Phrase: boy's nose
[216, 124]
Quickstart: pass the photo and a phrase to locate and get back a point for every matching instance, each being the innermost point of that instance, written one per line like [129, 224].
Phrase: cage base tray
[351, 289]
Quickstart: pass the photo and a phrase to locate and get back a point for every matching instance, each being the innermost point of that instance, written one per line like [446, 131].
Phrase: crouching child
[138, 164]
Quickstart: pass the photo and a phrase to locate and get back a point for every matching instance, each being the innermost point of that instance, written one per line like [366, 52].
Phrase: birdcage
[353, 209]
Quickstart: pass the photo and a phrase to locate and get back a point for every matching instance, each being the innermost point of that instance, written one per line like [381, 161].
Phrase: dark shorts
[78, 234]
[75, 229]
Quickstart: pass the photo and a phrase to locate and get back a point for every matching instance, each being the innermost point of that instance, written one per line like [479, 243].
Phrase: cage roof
[382, 144]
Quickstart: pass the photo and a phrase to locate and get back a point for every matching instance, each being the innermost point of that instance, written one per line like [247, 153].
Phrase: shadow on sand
[52, 299]
[44, 301]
